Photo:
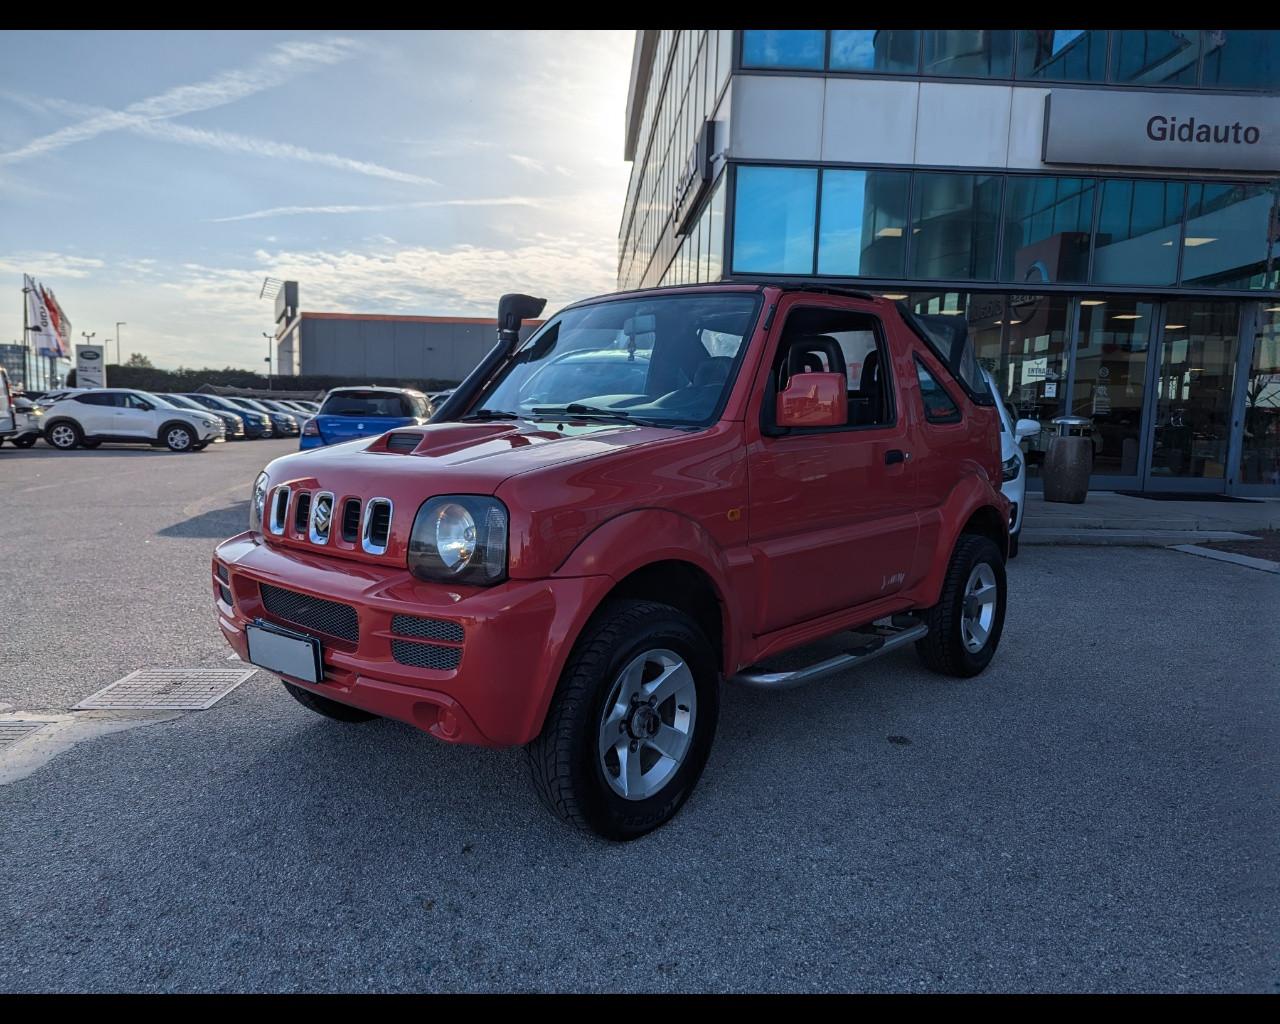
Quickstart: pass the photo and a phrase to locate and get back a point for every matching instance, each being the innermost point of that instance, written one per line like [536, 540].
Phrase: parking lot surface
[1098, 811]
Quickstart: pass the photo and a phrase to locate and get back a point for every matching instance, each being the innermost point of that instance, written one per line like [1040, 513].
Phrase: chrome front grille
[331, 617]
[377, 526]
[321, 518]
[351, 520]
[302, 512]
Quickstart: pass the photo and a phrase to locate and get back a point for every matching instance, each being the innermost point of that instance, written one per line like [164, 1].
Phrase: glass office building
[1103, 207]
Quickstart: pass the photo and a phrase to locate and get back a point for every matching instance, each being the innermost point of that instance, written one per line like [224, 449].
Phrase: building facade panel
[1136, 283]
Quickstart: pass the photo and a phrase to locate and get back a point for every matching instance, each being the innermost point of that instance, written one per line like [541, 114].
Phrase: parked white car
[1014, 481]
[123, 415]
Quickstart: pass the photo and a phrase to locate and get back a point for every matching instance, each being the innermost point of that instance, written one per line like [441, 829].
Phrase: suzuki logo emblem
[324, 511]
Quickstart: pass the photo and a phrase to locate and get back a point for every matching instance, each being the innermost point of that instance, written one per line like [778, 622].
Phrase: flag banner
[60, 321]
[38, 321]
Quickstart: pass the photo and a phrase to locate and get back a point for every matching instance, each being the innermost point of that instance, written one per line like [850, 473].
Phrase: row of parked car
[70, 418]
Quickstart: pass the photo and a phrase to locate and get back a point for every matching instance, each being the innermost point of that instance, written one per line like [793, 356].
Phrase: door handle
[895, 455]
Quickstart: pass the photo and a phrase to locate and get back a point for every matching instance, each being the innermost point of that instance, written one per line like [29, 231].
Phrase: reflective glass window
[1241, 58]
[969, 52]
[1047, 221]
[1139, 230]
[773, 224]
[776, 48]
[1063, 54]
[863, 224]
[1260, 447]
[875, 49]
[1227, 241]
[1155, 56]
[954, 222]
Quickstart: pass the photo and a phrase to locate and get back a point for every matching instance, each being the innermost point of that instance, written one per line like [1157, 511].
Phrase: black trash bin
[1069, 460]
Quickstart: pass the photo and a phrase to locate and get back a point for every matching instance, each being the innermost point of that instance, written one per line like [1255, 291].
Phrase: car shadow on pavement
[217, 523]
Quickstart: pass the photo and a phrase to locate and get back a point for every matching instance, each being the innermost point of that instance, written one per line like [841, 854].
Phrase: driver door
[133, 416]
[833, 523]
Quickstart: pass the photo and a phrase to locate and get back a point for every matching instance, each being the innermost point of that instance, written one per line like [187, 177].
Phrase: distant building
[368, 345]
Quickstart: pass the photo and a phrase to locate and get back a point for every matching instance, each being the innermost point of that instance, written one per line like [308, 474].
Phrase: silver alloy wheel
[62, 436]
[179, 438]
[979, 613]
[646, 727]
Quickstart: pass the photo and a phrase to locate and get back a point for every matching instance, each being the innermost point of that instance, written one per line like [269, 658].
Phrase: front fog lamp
[460, 538]
[258, 502]
[1010, 468]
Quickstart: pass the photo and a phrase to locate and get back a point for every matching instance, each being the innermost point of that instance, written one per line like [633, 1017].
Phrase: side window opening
[939, 407]
[840, 341]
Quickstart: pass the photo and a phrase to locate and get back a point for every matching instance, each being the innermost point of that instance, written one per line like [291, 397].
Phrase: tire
[24, 442]
[949, 648]
[329, 708]
[90, 444]
[200, 446]
[628, 645]
[64, 435]
[178, 438]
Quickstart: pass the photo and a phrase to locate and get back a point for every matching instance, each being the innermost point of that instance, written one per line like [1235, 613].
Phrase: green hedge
[147, 378]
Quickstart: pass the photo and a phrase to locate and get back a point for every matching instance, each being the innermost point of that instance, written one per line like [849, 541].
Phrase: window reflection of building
[1260, 445]
[1110, 378]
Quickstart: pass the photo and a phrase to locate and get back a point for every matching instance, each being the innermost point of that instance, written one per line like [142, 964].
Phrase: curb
[1129, 538]
[1266, 565]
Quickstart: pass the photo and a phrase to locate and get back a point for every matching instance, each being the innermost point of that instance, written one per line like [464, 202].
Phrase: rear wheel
[24, 442]
[631, 723]
[965, 624]
[90, 444]
[64, 435]
[328, 708]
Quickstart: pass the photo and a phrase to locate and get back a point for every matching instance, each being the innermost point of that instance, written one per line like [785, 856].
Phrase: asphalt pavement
[1098, 811]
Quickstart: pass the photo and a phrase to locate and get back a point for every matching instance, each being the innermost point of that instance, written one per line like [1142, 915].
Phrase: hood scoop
[449, 438]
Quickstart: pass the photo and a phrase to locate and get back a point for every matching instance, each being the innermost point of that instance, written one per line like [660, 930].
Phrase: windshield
[367, 403]
[180, 401]
[158, 399]
[668, 360]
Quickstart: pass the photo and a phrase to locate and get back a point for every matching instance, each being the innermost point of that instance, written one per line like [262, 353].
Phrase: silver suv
[88, 418]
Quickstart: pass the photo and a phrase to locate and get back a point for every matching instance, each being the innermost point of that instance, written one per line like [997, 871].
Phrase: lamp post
[270, 338]
[119, 324]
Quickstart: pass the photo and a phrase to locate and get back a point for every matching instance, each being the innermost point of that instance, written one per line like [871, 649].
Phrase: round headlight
[258, 502]
[455, 536]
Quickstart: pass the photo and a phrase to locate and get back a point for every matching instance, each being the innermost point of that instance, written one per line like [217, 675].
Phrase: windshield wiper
[490, 414]
[577, 409]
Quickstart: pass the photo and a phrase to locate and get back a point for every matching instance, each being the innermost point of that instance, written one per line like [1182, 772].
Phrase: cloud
[529, 163]
[285, 61]
[294, 211]
[50, 264]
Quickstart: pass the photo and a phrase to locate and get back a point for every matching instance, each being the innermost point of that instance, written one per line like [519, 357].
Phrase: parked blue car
[348, 413]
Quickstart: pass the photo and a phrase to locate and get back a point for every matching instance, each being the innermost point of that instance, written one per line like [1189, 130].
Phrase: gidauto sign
[1150, 129]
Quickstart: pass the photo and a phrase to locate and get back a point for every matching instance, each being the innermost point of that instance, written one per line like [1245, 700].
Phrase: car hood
[411, 464]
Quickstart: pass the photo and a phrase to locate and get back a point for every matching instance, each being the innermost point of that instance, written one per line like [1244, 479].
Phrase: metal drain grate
[173, 689]
[12, 732]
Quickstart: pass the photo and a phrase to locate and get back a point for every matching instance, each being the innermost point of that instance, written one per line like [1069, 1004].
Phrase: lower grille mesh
[426, 629]
[316, 613]
[432, 656]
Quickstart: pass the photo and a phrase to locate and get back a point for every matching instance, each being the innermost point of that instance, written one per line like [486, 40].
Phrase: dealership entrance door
[1157, 380]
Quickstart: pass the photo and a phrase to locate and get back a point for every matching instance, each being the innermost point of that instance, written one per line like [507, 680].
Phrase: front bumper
[514, 638]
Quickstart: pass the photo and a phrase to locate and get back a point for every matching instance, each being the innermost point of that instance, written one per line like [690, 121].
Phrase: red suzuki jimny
[656, 491]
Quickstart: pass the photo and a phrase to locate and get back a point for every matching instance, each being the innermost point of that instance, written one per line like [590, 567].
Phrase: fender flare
[940, 530]
[641, 537]
[195, 431]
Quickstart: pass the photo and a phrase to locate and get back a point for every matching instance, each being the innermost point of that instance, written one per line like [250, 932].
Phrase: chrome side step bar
[885, 639]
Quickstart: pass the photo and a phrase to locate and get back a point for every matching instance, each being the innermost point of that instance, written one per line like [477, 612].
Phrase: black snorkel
[513, 310]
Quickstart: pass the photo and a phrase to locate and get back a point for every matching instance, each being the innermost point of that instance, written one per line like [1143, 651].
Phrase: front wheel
[631, 723]
[179, 439]
[965, 624]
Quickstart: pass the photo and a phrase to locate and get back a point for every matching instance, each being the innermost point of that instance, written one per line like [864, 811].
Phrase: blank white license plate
[290, 654]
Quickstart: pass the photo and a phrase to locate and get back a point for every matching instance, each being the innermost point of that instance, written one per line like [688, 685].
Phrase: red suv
[656, 492]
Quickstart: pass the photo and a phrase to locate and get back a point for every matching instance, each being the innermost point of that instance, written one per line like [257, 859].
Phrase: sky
[157, 177]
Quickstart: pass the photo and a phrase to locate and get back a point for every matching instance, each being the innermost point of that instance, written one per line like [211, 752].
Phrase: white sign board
[91, 370]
